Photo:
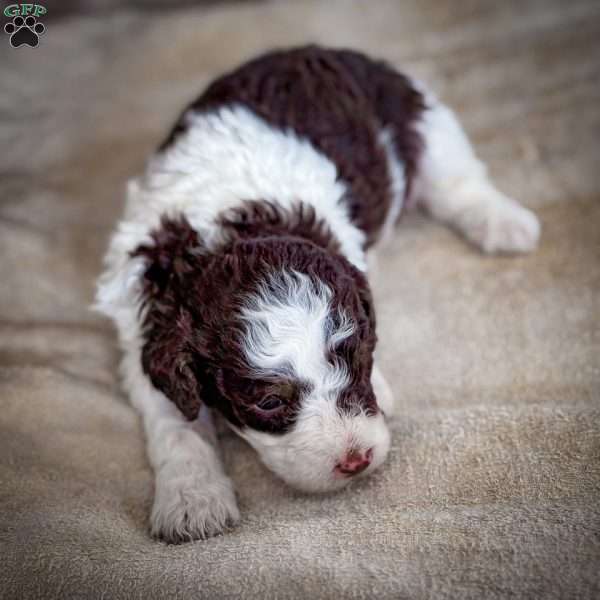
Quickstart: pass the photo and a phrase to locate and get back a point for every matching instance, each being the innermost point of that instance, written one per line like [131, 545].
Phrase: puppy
[237, 276]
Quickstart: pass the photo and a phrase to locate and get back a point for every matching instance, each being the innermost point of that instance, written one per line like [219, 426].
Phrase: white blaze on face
[290, 327]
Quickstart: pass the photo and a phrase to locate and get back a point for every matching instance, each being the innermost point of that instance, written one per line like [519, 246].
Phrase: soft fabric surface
[492, 488]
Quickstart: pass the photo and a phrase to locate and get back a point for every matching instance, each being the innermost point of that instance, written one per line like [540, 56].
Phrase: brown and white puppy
[237, 277]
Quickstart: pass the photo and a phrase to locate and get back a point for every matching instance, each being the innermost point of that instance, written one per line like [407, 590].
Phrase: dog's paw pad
[24, 31]
[191, 507]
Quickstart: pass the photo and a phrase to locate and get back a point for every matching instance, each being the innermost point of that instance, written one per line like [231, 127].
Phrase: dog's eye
[269, 404]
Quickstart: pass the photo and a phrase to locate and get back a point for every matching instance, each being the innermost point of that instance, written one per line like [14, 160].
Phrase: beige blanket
[492, 488]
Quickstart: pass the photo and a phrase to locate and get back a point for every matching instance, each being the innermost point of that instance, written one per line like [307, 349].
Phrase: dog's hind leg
[453, 186]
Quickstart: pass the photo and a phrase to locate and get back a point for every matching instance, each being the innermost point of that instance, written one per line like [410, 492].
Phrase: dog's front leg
[193, 497]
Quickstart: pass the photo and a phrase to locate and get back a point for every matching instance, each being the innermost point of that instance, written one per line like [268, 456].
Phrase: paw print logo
[24, 31]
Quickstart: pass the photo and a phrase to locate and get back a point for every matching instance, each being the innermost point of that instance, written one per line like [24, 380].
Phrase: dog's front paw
[504, 226]
[192, 506]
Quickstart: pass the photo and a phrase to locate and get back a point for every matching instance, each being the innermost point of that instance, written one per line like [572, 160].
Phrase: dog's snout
[355, 462]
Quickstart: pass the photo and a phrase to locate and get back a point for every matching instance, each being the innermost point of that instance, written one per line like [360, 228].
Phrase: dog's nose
[354, 462]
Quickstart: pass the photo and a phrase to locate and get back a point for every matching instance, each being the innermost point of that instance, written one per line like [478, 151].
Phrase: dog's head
[275, 332]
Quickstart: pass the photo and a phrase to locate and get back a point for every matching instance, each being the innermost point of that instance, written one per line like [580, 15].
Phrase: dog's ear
[172, 344]
[171, 363]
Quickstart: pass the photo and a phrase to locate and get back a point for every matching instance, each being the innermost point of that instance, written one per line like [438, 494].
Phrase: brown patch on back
[340, 100]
